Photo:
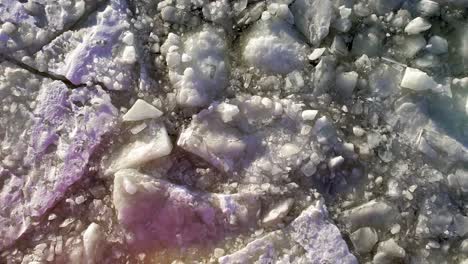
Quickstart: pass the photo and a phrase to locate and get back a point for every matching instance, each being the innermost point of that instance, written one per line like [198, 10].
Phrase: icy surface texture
[243, 131]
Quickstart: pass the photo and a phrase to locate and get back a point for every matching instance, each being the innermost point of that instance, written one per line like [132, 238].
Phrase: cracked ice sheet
[35, 23]
[57, 122]
[156, 213]
[103, 51]
[319, 239]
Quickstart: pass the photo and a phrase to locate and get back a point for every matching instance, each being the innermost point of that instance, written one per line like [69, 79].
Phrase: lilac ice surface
[75, 131]
[320, 238]
[311, 236]
[158, 213]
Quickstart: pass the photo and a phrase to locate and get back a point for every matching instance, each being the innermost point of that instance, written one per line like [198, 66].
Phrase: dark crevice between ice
[52, 76]
[73, 26]
[132, 8]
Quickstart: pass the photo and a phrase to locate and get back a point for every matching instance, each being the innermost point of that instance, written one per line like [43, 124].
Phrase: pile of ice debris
[243, 131]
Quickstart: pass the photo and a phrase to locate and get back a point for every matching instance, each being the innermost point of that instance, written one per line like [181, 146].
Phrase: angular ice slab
[312, 18]
[151, 144]
[318, 239]
[141, 110]
[156, 213]
[66, 128]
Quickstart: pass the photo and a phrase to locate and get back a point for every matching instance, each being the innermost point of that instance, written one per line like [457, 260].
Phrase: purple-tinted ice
[68, 126]
[158, 213]
[101, 51]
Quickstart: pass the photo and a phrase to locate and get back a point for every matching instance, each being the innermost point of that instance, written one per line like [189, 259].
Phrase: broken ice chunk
[368, 41]
[312, 18]
[335, 162]
[376, 214]
[294, 81]
[428, 7]
[215, 142]
[275, 215]
[227, 111]
[385, 79]
[274, 47]
[238, 210]
[96, 52]
[364, 239]
[460, 225]
[419, 126]
[435, 216]
[309, 114]
[417, 26]
[236, 147]
[466, 105]
[321, 240]
[288, 150]
[151, 144]
[388, 251]
[417, 80]
[325, 132]
[13, 226]
[345, 83]
[310, 238]
[408, 46]
[157, 213]
[202, 78]
[316, 54]
[28, 25]
[254, 250]
[324, 75]
[459, 180]
[141, 110]
[129, 55]
[437, 45]
[93, 238]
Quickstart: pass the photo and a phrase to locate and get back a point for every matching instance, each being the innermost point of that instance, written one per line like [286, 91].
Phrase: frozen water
[244, 131]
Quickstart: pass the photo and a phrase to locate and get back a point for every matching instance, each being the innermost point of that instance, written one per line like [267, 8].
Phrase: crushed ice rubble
[244, 131]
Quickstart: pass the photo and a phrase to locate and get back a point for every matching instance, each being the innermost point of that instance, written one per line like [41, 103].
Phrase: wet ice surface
[246, 131]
